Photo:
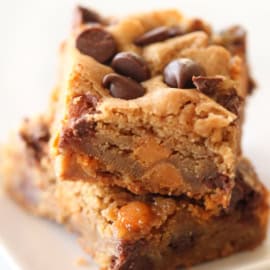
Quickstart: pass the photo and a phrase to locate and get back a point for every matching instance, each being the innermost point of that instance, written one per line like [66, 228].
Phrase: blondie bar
[152, 104]
[122, 230]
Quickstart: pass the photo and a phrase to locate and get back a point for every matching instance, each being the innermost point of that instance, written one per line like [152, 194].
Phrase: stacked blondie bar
[139, 151]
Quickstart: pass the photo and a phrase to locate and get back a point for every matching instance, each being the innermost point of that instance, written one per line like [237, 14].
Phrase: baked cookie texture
[122, 230]
[140, 150]
[160, 112]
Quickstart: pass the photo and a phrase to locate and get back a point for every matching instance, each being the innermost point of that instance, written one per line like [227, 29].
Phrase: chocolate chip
[137, 263]
[244, 195]
[122, 87]
[131, 65]
[182, 242]
[82, 128]
[77, 133]
[131, 257]
[213, 87]
[35, 137]
[251, 85]
[238, 194]
[158, 34]
[234, 39]
[83, 104]
[207, 85]
[217, 181]
[179, 73]
[231, 101]
[83, 15]
[97, 43]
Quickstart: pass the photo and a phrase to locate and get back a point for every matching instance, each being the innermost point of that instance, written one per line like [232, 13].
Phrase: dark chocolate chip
[213, 87]
[137, 263]
[234, 39]
[84, 15]
[251, 85]
[179, 73]
[244, 195]
[82, 128]
[207, 85]
[130, 257]
[83, 104]
[131, 65]
[77, 133]
[231, 101]
[238, 194]
[35, 137]
[217, 181]
[122, 87]
[158, 34]
[182, 242]
[97, 43]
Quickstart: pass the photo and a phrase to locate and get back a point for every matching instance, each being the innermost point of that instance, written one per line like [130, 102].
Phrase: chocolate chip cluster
[134, 69]
[130, 68]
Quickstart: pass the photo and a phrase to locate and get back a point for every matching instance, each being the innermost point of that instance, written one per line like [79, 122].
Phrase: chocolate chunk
[137, 263]
[129, 257]
[179, 73]
[207, 85]
[122, 87]
[182, 242]
[82, 128]
[131, 65]
[83, 15]
[234, 39]
[35, 139]
[158, 34]
[251, 85]
[244, 195]
[213, 87]
[231, 101]
[76, 133]
[83, 104]
[218, 180]
[239, 193]
[97, 43]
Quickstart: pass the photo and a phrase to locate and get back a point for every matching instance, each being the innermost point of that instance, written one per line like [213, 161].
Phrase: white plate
[27, 69]
[31, 243]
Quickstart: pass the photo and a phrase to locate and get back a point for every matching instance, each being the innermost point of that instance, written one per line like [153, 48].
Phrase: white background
[31, 31]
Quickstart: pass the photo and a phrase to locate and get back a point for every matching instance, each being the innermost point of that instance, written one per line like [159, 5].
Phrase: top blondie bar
[152, 103]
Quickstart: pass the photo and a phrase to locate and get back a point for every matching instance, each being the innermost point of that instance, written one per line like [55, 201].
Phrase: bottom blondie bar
[126, 231]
